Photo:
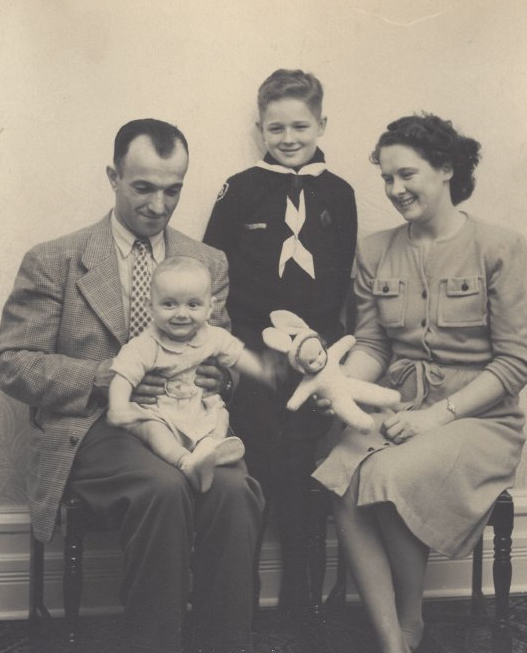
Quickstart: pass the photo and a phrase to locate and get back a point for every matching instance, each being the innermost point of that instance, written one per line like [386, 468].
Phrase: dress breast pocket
[462, 302]
[390, 296]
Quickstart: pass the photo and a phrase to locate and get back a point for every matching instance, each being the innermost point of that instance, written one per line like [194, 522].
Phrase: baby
[185, 428]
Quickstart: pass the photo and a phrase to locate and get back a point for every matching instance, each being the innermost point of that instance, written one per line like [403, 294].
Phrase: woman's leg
[369, 564]
[408, 559]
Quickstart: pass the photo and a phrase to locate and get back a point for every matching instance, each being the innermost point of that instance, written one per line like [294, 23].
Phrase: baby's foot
[198, 466]
[229, 450]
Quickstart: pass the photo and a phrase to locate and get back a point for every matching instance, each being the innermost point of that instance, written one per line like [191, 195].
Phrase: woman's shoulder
[493, 233]
[378, 241]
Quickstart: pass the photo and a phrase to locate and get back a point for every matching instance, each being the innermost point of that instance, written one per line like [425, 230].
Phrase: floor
[450, 629]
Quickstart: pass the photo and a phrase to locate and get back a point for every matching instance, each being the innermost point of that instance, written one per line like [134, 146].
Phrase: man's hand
[212, 378]
[151, 386]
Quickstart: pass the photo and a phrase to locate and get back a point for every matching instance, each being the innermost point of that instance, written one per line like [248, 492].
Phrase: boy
[184, 428]
[288, 228]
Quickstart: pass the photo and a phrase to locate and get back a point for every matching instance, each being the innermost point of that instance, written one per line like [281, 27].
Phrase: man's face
[147, 187]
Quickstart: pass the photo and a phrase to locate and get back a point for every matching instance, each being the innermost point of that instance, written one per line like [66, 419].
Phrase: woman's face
[417, 190]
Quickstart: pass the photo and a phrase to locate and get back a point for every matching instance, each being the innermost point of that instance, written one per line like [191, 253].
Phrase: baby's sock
[198, 465]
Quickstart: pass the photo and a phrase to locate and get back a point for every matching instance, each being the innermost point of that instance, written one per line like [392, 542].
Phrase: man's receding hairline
[177, 143]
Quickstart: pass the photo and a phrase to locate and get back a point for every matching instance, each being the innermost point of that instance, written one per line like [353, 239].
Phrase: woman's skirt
[443, 483]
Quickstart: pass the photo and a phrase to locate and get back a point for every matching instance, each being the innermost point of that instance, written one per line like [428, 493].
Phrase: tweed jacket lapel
[101, 286]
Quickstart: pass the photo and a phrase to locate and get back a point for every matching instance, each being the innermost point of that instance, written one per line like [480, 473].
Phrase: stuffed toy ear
[276, 339]
[288, 322]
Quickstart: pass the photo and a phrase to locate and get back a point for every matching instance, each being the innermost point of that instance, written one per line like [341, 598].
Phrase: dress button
[385, 288]
[424, 294]
[371, 449]
[423, 323]
[74, 440]
[464, 287]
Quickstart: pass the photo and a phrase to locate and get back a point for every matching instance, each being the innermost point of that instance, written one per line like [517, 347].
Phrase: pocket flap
[386, 287]
[462, 286]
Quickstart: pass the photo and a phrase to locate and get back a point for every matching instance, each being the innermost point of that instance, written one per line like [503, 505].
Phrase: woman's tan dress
[435, 320]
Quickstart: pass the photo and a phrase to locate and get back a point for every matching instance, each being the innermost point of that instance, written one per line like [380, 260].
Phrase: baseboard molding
[103, 561]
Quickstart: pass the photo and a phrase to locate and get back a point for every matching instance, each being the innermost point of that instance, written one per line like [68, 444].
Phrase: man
[75, 302]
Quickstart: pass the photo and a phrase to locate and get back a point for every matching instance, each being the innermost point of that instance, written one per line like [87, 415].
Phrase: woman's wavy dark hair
[439, 143]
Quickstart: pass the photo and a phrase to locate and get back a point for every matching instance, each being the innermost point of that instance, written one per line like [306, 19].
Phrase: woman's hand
[407, 424]
[322, 406]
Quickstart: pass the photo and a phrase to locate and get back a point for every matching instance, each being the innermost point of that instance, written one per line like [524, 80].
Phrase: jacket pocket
[390, 296]
[462, 302]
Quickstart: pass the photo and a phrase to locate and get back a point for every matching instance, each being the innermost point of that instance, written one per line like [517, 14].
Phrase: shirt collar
[124, 240]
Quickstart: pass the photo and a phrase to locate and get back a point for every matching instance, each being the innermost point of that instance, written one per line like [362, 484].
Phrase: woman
[442, 317]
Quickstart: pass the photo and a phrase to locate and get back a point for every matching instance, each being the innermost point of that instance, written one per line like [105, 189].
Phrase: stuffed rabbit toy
[322, 371]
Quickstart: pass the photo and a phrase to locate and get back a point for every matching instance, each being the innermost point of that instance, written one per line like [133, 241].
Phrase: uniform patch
[223, 192]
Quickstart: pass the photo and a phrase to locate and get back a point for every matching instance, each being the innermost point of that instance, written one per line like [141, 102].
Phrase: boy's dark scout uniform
[248, 224]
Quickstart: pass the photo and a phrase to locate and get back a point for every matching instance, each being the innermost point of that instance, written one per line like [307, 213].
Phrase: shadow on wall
[14, 428]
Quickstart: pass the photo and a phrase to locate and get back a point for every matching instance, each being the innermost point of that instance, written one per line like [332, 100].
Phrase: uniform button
[385, 288]
[423, 323]
[464, 287]
[371, 449]
[424, 294]
[74, 440]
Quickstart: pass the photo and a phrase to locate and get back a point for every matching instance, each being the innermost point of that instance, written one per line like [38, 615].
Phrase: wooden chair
[502, 520]
[73, 520]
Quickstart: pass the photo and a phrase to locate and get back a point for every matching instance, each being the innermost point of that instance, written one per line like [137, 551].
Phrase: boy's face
[290, 131]
[181, 302]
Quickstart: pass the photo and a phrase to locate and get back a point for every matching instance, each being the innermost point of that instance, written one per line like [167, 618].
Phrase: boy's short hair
[291, 83]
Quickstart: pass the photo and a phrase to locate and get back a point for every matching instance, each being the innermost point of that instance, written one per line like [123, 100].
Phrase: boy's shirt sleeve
[221, 223]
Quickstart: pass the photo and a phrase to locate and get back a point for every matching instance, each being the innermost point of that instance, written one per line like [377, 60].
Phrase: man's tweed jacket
[64, 316]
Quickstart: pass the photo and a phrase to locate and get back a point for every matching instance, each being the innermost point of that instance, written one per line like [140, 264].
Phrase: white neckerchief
[292, 248]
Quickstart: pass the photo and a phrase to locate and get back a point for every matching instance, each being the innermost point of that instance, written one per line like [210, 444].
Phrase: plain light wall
[74, 71]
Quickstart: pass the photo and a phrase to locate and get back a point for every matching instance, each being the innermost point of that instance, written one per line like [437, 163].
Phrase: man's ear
[322, 125]
[113, 176]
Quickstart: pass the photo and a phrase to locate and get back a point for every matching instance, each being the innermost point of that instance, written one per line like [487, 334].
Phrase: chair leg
[503, 521]
[317, 548]
[37, 609]
[72, 579]
[478, 605]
